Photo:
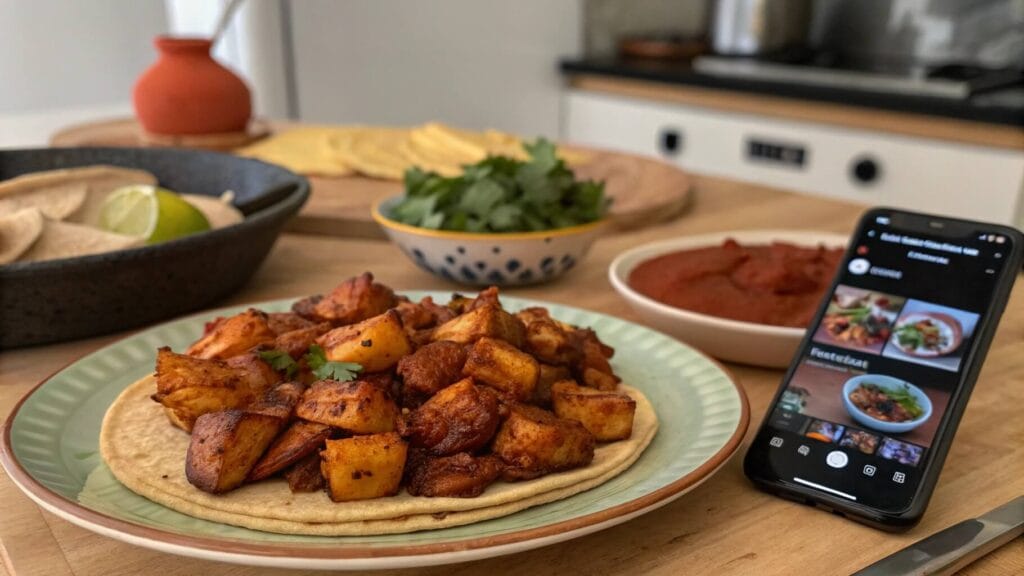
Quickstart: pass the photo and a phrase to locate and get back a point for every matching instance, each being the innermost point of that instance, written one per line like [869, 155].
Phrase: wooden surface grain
[725, 526]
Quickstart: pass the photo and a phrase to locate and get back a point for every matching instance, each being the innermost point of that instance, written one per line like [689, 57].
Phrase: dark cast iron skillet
[58, 300]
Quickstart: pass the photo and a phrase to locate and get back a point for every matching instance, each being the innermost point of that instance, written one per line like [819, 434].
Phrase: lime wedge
[152, 213]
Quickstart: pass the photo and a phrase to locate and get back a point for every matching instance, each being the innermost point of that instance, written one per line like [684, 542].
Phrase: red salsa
[779, 284]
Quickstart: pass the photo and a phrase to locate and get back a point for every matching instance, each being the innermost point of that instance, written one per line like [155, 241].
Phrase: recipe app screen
[861, 410]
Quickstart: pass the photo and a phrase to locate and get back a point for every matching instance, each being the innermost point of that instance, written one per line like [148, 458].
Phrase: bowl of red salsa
[743, 296]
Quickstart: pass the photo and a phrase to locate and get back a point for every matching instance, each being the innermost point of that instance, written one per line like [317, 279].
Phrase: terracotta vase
[187, 92]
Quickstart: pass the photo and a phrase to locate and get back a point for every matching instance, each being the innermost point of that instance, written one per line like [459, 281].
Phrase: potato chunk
[535, 313]
[233, 336]
[279, 401]
[297, 342]
[377, 343]
[599, 380]
[535, 442]
[359, 407]
[305, 475]
[281, 322]
[184, 406]
[607, 415]
[461, 475]
[298, 441]
[363, 467]
[594, 369]
[500, 365]
[225, 446]
[460, 304]
[432, 367]
[548, 375]
[487, 320]
[459, 418]
[354, 300]
[190, 387]
[548, 340]
[424, 314]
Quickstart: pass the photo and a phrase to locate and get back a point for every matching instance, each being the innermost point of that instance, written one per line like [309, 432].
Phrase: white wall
[60, 54]
[67, 61]
[472, 63]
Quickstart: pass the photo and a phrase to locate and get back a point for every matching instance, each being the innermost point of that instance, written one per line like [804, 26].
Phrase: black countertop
[1005, 106]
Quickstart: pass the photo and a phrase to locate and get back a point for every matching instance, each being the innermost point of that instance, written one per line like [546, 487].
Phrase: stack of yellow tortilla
[380, 152]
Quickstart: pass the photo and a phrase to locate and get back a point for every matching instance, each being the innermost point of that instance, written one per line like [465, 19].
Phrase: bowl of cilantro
[503, 221]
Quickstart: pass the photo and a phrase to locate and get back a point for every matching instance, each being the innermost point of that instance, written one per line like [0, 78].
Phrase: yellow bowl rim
[386, 222]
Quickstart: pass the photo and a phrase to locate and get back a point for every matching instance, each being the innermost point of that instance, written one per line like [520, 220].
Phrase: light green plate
[50, 449]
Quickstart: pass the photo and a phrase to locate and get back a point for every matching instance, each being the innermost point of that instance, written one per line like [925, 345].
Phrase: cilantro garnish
[281, 361]
[501, 194]
[325, 370]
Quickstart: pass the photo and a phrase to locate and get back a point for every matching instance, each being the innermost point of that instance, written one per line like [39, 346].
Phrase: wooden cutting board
[644, 191]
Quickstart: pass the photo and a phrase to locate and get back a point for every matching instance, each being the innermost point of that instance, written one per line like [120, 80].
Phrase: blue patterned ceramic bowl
[507, 259]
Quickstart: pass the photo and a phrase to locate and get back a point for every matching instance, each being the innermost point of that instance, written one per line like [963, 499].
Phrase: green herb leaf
[542, 154]
[432, 221]
[481, 197]
[414, 210]
[502, 194]
[281, 361]
[327, 370]
[415, 179]
[505, 218]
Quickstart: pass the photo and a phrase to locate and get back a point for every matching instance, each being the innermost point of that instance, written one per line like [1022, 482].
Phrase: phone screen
[860, 412]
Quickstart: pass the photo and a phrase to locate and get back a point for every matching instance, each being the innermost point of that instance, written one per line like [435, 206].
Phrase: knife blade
[951, 549]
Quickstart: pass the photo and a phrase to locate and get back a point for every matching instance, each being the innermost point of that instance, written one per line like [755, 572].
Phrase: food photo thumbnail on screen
[903, 329]
[859, 319]
[931, 335]
[872, 413]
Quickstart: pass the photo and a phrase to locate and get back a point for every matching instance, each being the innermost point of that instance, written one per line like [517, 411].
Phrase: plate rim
[224, 549]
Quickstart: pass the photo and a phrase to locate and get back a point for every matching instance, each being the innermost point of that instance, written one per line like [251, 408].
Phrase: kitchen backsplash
[604, 21]
[985, 32]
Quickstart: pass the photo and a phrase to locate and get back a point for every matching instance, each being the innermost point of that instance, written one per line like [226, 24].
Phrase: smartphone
[866, 413]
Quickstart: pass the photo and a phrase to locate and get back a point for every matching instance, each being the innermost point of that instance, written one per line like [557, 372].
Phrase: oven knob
[865, 170]
[670, 141]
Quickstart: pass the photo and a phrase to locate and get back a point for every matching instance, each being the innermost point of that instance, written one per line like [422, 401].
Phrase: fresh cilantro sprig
[316, 360]
[501, 194]
[281, 361]
[326, 370]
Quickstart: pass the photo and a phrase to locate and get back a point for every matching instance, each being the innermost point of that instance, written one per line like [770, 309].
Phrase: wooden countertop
[725, 526]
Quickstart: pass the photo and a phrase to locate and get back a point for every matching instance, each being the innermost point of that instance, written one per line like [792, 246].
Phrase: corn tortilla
[218, 212]
[302, 150]
[18, 231]
[56, 202]
[66, 240]
[147, 455]
[373, 151]
[99, 181]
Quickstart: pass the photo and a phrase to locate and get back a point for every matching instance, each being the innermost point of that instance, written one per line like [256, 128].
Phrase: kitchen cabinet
[869, 166]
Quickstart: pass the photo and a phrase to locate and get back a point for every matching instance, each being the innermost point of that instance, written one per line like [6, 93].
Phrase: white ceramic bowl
[506, 259]
[732, 340]
[890, 383]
